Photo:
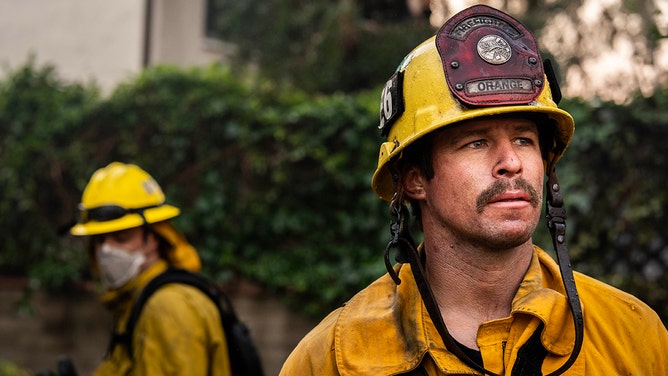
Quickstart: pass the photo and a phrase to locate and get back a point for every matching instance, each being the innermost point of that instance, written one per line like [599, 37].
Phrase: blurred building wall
[104, 41]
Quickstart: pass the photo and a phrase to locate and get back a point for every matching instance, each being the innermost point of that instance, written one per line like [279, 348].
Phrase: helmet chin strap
[556, 222]
[406, 252]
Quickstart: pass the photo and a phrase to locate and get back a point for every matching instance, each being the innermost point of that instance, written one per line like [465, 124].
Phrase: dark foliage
[323, 46]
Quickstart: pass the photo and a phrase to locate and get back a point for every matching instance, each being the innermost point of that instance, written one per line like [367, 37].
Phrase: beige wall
[85, 39]
[178, 34]
[101, 40]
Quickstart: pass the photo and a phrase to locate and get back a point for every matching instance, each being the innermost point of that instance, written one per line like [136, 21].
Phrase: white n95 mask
[118, 266]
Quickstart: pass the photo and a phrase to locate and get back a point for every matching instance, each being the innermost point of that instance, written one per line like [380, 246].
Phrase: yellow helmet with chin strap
[122, 196]
[481, 63]
[118, 197]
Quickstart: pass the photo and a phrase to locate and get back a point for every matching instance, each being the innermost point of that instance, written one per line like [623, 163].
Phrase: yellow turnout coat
[386, 330]
[179, 332]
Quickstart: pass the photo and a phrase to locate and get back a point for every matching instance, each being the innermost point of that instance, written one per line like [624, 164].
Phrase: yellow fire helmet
[118, 197]
[481, 63]
[122, 196]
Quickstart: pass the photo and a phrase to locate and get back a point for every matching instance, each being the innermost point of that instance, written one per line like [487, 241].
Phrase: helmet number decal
[391, 102]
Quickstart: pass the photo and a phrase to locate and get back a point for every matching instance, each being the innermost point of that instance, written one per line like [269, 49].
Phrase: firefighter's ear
[413, 183]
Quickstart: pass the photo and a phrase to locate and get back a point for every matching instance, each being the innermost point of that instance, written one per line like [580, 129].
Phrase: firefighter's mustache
[501, 186]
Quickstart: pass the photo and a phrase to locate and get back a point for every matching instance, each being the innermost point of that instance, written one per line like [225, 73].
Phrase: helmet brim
[152, 215]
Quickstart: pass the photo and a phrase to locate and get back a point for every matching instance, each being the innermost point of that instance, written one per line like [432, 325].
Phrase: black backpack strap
[243, 356]
[171, 275]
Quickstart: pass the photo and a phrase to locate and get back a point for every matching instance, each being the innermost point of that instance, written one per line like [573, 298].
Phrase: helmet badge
[494, 49]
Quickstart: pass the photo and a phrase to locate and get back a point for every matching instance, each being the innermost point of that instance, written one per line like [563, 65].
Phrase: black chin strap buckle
[401, 238]
[556, 214]
[400, 235]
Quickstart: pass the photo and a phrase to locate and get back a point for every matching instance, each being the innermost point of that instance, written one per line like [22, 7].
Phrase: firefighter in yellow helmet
[472, 128]
[132, 241]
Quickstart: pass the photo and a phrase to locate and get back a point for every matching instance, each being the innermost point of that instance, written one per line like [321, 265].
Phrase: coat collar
[541, 294]
[385, 329]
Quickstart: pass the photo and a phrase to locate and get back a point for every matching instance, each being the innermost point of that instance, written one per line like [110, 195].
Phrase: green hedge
[616, 174]
[275, 184]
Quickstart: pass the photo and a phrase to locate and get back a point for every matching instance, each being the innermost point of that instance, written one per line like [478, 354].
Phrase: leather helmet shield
[489, 58]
